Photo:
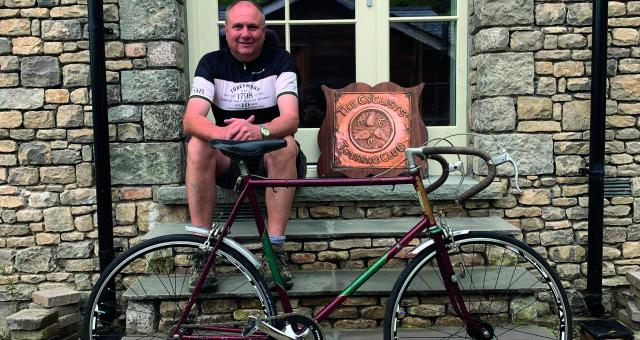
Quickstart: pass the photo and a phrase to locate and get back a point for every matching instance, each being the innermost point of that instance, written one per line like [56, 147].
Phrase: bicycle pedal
[251, 326]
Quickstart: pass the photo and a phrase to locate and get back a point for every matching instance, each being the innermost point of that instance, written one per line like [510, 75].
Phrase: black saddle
[249, 150]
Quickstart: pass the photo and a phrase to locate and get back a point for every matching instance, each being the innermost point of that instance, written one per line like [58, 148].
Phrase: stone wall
[47, 185]
[530, 84]
[529, 89]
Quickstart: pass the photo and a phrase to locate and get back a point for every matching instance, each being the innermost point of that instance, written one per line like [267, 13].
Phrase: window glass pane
[422, 8]
[273, 9]
[324, 55]
[324, 9]
[425, 52]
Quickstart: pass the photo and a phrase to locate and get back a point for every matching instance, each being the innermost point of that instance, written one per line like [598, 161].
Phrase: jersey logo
[258, 72]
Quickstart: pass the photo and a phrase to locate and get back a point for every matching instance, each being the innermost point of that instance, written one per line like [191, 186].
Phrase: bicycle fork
[476, 328]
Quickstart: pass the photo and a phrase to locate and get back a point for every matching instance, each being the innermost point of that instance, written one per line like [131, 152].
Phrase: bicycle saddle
[246, 149]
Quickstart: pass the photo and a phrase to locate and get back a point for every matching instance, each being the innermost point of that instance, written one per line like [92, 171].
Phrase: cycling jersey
[238, 90]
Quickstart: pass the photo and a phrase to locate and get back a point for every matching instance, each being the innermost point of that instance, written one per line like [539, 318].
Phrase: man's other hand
[242, 129]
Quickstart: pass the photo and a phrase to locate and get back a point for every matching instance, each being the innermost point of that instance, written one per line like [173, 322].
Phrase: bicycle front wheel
[507, 287]
[142, 294]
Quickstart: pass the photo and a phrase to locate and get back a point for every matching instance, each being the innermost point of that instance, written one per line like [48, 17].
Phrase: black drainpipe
[100, 132]
[596, 157]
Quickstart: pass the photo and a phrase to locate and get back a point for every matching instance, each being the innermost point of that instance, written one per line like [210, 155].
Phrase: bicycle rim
[142, 294]
[506, 286]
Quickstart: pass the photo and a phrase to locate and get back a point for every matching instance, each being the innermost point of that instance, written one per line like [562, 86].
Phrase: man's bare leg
[200, 180]
[282, 164]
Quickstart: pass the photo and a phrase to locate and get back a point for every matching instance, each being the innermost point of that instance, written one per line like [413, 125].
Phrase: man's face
[245, 31]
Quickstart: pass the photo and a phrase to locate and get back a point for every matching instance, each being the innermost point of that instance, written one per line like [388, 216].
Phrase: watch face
[264, 131]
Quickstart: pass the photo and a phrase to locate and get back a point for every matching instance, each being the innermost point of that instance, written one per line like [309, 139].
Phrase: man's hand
[242, 129]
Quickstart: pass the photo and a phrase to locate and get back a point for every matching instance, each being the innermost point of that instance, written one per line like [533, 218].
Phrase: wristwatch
[264, 131]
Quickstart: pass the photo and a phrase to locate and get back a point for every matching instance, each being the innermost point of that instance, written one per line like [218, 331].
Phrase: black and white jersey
[238, 90]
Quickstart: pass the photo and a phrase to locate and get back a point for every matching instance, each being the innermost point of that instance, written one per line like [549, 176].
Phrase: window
[337, 42]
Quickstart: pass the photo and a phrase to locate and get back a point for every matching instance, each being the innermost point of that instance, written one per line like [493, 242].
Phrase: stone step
[528, 332]
[448, 191]
[634, 279]
[305, 229]
[453, 333]
[331, 283]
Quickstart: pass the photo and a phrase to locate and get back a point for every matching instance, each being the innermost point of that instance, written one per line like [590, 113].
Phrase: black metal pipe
[593, 296]
[100, 132]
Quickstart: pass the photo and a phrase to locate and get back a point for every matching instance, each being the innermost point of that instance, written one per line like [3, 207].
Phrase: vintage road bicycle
[456, 285]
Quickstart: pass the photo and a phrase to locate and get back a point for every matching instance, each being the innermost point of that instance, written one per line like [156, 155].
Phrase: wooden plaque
[366, 129]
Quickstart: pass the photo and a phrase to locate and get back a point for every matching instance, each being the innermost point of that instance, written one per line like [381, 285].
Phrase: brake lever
[504, 158]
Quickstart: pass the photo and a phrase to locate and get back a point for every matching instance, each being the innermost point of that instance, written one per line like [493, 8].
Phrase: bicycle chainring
[300, 326]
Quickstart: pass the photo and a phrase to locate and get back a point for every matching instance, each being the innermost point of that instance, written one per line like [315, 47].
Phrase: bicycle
[478, 285]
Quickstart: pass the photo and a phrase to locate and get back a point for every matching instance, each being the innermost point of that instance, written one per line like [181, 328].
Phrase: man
[254, 95]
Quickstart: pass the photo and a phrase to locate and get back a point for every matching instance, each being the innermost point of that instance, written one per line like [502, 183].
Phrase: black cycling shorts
[228, 179]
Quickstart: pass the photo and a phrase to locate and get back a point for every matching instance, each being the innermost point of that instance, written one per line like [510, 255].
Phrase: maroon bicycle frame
[248, 192]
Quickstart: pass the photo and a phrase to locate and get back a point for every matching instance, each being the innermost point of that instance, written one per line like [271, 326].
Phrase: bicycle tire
[503, 282]
[151, 287]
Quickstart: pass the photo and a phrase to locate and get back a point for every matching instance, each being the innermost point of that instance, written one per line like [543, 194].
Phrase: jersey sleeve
[203, 85]
[287, 80]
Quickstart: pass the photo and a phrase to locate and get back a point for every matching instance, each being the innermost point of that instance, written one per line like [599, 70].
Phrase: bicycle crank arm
[254, 325]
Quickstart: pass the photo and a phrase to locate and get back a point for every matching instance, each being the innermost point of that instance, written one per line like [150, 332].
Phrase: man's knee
[282, 157]
[199, 154]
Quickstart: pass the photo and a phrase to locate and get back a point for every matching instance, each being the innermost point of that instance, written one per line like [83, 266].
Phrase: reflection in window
[422, 8]
[424, 52]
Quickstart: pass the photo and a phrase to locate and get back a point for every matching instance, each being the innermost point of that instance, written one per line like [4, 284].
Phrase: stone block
[39, 119]
[75, 75]
[35, 260]
[23, 176]
[569, 165]
[138, 319]
[634, 278]
[58, 219]
[625, 87]
[527, 41]
[625, 36]
[125, 114]
[493, 114]
[535, 108]
[75, 250]
[550, 13]
[31, 319]
[21, 99]
[163, 122]
[40, 71]
[503, 12]
[27, 45]
[533, 152]
[491, 39]
[165, 54]
[55, 297]
[502, 74]
[70, 116]
[151, 20]
[633, 311]
[575, 115]
[152, 86]
[35, 153]
[147, 163]
[15, 27]
[579, 14]
[56, 30]
[50, 332]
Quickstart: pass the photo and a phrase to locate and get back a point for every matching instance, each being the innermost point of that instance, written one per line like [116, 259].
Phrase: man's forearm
[200, 127]
[281, 127]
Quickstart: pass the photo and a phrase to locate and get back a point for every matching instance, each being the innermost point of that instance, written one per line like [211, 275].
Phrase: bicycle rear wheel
[143, 292]
[505, 284]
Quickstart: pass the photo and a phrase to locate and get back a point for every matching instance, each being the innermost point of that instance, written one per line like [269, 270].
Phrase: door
[337, 42]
